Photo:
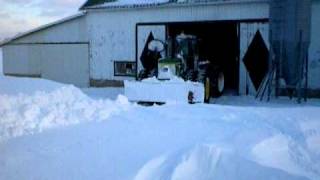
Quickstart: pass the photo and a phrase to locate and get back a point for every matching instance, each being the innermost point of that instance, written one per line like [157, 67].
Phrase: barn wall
[59, 52]
[67, 63]
[112, 32]
[314, 51]
[70, 31]
[21, 60]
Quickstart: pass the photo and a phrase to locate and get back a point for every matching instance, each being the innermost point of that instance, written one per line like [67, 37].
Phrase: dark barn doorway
[218, 43]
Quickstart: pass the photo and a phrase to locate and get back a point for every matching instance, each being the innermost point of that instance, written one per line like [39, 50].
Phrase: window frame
[124, 62]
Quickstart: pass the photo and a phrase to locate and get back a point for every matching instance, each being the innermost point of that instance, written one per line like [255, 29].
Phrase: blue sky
[17, 16]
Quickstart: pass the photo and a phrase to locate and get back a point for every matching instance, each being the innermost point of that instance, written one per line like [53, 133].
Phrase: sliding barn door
[144, 34]
[254, 54]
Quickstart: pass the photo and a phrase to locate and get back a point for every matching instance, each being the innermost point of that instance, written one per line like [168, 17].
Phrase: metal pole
[271, 67]
[301, 59]
[307, 77]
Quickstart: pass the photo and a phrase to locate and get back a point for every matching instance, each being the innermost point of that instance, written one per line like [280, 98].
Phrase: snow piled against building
[53, 131]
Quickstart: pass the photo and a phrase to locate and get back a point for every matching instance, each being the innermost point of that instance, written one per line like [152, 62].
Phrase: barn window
[124, 68]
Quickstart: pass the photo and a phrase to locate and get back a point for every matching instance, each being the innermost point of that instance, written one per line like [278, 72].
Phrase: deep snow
[28, 106]
[54, 131]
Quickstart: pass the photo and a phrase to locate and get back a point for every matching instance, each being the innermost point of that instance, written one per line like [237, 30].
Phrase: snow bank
[42, 104]
[27, 86]
[207, 162]
[284, 153]
[311, 130]
[248, 143]
[173, 141]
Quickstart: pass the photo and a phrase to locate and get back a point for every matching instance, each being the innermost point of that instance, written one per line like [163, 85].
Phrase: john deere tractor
[182, 60]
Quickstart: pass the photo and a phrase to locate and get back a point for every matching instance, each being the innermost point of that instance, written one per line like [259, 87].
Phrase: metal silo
[290, 22]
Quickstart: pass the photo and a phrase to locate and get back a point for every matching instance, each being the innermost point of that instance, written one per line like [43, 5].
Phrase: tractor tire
[219, 85]
[207, 90]
[214, 84]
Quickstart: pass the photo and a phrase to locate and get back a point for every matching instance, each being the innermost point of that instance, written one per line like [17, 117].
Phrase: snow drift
[207, 162]
[122, 141]
[246, 143]
[30, 106]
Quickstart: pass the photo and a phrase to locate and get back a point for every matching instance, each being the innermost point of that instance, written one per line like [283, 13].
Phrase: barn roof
[103, 4]
[21, 35]
[95, 2]
[113, 3]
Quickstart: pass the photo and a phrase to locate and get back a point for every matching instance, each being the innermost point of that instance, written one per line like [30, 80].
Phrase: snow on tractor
[181, 76]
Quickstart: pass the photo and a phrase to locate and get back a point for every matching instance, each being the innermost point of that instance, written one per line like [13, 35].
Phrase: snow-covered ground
[54, 131]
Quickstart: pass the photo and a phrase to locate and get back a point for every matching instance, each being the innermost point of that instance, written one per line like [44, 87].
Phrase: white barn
[102, 44]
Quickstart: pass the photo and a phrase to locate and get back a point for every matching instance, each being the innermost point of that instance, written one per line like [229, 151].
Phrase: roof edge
[172, 4]
[46, 26]
[87, 3]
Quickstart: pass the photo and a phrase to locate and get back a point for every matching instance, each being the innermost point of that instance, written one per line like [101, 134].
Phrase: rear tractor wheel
[207, 90]
[219, 85]
[214, 86]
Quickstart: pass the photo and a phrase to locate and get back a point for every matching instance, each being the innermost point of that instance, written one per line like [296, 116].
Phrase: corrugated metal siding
[314, 50]
[290, 21]
[21, 60]
[66, 63]
[60, 53]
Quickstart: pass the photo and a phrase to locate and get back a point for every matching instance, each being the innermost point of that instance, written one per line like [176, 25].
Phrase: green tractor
[182, 61]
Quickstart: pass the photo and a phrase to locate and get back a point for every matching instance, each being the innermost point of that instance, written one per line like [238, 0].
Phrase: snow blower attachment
[182, 78]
